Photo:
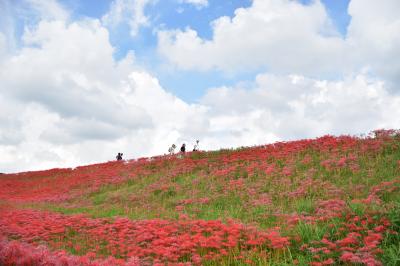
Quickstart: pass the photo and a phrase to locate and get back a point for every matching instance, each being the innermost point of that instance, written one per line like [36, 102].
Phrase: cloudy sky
[81, 81]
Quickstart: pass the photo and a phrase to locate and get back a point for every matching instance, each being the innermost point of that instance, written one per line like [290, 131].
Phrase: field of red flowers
[325, 201]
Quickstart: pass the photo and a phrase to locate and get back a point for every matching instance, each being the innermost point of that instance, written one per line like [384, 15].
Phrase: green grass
[308, 232]
[305, 205]
[391, 243]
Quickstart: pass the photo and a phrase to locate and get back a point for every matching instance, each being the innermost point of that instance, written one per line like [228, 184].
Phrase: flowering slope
[325, 201]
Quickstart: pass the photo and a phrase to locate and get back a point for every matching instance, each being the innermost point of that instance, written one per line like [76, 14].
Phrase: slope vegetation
[325, 201]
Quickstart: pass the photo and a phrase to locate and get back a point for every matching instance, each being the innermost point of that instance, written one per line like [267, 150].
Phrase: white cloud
[284, 35]
[197, 3]
[293, 107]
[10, 122]
[127, 11]
[374, 37]
[3, 47]
[67, 98]
[287, 37]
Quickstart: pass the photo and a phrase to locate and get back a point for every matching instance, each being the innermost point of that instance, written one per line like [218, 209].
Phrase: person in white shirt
[171, 150]
[196, 146]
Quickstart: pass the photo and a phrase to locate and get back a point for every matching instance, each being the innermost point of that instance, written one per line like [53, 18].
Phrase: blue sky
[81, 81]
[337, 10]
[171, 14]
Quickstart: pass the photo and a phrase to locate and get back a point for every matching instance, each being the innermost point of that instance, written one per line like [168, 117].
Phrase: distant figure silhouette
[171, 150]
[196, 146]
[119, 156]
[183, 148]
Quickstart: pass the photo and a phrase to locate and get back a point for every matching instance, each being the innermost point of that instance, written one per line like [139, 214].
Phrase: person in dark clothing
[183, 148]
[119, 156]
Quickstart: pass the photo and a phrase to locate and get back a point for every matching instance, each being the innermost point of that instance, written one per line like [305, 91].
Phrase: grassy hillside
[326, 201]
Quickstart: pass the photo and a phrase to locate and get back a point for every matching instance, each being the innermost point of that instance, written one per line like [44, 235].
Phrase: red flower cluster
[22, 254]
[150, 240]
[354, 240]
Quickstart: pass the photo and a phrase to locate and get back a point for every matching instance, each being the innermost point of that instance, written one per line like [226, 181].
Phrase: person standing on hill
[196, 146]
[171, 150]
[119, 156]
[183, 148]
